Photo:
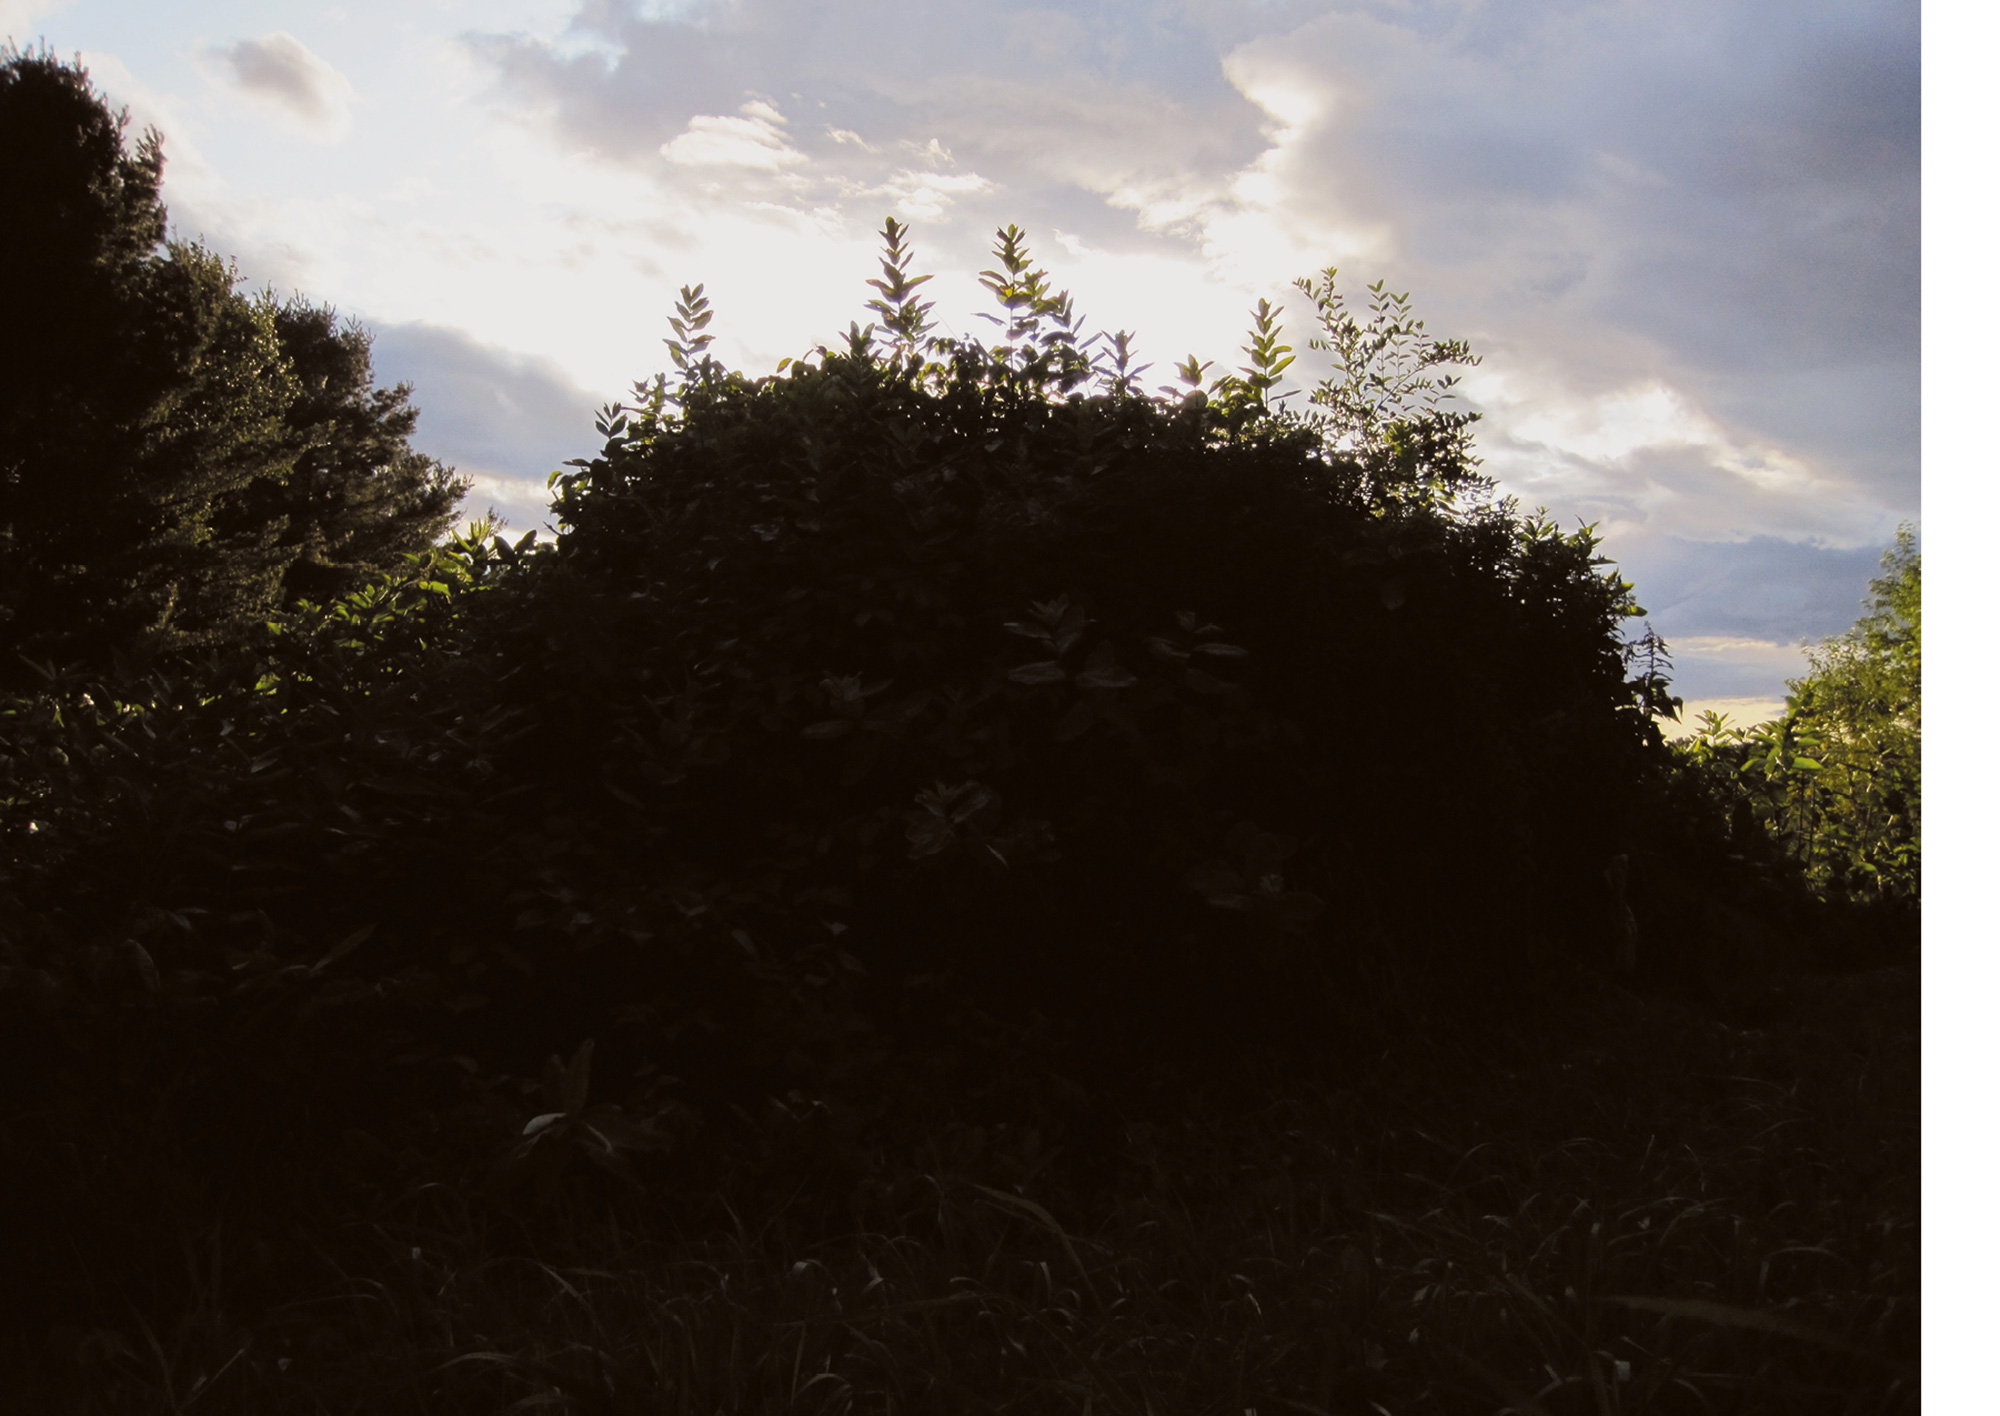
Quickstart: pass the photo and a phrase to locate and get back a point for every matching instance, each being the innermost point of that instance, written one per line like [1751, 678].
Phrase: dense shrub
[193, 858]
[1179, 715]
[926, 755]
[1837, 780]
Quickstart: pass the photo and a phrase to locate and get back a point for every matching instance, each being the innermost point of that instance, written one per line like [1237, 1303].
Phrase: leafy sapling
[689, 346]
[905, 319]
[1381, 404]
[1192, 369]
[1021, 289]
[1040, 326]
[1116, 367]
[1650, 669]
[1268, 358]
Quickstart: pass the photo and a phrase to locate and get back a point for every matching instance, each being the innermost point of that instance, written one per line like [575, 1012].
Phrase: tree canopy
[177, 459]
[1836, 781]
[359, 497]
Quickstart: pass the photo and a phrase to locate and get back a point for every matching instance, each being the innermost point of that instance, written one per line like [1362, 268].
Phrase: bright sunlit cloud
[754, 139]
[1734, 712]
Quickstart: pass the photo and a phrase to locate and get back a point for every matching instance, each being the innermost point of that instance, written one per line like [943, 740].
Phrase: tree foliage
[177, 459]
[1837, 781]
[358, 498]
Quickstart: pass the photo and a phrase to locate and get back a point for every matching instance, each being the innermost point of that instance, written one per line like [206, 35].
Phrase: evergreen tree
[198, 564]
[359, 497]
[177, 460]
[84, 361]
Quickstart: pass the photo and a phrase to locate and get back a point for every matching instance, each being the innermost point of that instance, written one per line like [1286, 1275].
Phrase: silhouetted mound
[1101, 707]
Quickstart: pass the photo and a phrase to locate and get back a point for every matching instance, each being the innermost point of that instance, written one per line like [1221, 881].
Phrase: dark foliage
[104, 485]
[358, 498]
[1155, 713]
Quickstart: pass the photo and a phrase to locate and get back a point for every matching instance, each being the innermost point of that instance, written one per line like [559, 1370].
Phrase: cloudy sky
[1684, 236]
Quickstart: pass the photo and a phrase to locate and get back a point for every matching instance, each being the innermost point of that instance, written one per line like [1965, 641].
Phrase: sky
[1684, 237]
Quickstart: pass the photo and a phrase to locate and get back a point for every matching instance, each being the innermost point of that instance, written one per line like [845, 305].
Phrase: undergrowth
[1659, 1213]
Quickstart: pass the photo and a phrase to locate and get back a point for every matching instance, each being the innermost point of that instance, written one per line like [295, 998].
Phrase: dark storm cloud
[507, 420]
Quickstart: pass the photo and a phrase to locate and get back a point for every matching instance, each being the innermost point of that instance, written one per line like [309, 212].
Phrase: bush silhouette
[1176, 716]
[928, 735]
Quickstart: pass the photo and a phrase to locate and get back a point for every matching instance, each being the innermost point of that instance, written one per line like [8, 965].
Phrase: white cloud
[926, 196]
[1615, 425]
[282, 74]
[756, 140]
[1647, 460]
[18, 18]
[1296, 101]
